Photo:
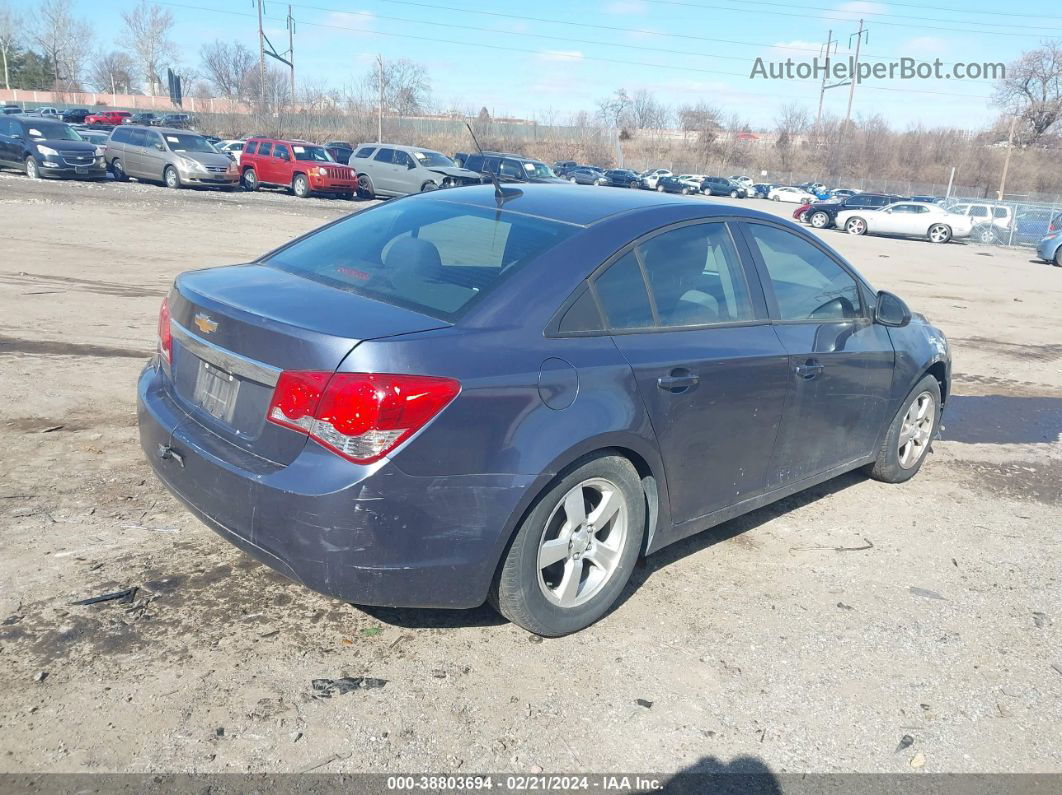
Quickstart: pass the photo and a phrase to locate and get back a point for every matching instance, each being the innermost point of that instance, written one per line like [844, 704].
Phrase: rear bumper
[369, 535]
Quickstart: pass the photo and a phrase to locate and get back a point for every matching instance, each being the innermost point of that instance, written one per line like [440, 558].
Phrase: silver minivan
[174, 157]
[396, 170]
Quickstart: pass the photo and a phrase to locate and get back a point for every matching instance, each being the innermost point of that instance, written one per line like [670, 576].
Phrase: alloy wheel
[856, 226]
[819, 220]
[31, 168]
[939, 233]
[582, 543]
[916, 430]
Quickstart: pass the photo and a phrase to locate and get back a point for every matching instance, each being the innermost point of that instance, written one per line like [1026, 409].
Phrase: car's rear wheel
[910, 434]
[987, 234]
[365, 186]
[119, 170]
[939, 233]
[33, 171]
[819, 220]
[571, 180]
[171, 177]
[855, 226]
[250, 180]
[575, 551]
[300, 186]
[777, 198]
[1058, 257]
[659, 188]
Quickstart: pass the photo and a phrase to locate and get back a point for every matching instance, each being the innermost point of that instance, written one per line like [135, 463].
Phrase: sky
[542, 58]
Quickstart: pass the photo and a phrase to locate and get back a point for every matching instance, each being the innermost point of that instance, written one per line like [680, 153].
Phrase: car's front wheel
[909, 435]
[171, 177]
[118, 170]
[659, 188]
[1058, 257]
[777, 198]
[300, 186]
[573, 554]
[733, 194]
[33, 171]
[365, 186]
[250, 180]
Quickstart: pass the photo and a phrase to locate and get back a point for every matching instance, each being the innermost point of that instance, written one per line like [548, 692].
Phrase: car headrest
[413, 256]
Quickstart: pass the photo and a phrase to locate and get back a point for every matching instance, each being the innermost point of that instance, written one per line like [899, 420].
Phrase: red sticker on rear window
[360, 275]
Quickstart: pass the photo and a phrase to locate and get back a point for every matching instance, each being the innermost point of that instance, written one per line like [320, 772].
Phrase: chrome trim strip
[226, 360]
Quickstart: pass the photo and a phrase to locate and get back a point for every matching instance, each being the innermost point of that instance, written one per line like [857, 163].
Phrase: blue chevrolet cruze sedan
[508, 394]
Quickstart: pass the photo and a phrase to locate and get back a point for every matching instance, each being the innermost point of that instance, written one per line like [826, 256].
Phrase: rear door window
[250, 148]
[365, 151]
[265, 149]
[137, 137]
[385, 156]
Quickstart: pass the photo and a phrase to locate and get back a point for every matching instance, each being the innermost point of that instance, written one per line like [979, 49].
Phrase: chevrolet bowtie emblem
[205, 324]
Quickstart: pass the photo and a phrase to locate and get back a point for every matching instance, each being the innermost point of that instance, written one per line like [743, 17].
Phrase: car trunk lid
[236, 329]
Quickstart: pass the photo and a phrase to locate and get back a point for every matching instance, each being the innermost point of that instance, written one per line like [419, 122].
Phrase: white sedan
[910, 219]
[790, 194]
[230, 147]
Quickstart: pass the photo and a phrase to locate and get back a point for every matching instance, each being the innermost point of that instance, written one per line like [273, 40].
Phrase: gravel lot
[782, 637]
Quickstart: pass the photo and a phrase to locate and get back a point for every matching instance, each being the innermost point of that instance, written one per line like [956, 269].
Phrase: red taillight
[165, 338]
[361, 416]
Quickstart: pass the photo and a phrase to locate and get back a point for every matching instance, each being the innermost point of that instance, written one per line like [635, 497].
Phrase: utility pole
[830, 45]
[1006, 160]
[291, 53]
[858, 35]
[379, 110]
[261, 57]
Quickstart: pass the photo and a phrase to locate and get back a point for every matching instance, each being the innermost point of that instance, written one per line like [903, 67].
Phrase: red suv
[113, 117]
[303, 167]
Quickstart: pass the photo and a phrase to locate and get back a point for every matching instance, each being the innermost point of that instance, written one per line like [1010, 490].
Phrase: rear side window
[979, 212]
[251, 148]
[695, 276]
[120, 134]
[1000, 212]
[807, 284]
[365, 151]
[436, 257]
[385, 156]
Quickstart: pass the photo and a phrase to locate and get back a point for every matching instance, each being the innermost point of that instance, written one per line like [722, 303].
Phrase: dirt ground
[812, 635]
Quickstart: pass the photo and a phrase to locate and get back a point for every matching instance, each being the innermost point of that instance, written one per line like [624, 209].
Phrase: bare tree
[113, 71]
[615, 109]
[406, 86]
[277, 93]
[1032, 91]
[10, 37]
[64, 39]
[790, 124]
[227, 66]
[147, 37]
[648, 114]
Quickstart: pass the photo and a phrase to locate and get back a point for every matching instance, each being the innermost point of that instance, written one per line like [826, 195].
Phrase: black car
[74, 115]
[46, 148]
[823, 215]
[146, 119]
[622, 178]
[509, 167]
[340, 151]
[562, 167]
[674, 184]
[181, 121]
[585, 175]
[10, 109]
[721, 186]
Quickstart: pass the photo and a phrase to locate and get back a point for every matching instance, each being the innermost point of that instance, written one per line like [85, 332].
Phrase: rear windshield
[433, 256]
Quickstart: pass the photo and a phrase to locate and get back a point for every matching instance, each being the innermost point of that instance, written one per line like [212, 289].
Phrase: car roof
[572, 205]
[172, 130]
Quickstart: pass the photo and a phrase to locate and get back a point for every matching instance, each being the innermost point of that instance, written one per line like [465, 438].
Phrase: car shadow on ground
[1002, 419]
[742, 775]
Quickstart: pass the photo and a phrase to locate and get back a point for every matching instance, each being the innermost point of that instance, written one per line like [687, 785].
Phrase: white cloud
[560, 55]
[626, 8]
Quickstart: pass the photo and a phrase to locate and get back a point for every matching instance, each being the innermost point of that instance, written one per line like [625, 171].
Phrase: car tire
[1058, 257]
[428, 186]
[988, 234]
[118, 170]
[819, 220]
[939, 233]
[777, 198]
[365, 186]
[633, 184]
[171, 177]
[910, 434]
[249, 180]
[733, 194]
[659, 188]
[855, 226]
[300, 186]
[573, 590]
[33, 171]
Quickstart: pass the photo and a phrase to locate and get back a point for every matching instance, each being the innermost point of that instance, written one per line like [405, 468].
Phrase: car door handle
[679, 381]
[808, 369]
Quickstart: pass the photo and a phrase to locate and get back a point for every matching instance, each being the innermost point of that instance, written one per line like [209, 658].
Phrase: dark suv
[511, 168]
[823, 215]
[721, 186]
[46, 148]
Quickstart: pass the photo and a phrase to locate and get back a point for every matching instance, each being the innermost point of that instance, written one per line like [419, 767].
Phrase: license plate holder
[81, 169]
[216, 391]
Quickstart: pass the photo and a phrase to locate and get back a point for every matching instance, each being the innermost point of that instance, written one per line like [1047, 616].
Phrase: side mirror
[160, 147]
[891, 310]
